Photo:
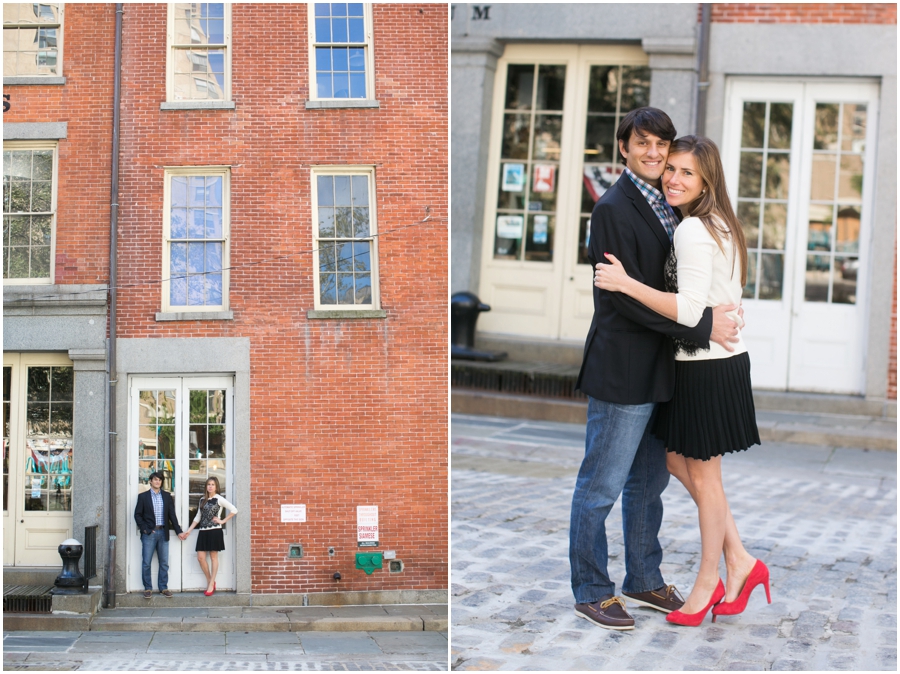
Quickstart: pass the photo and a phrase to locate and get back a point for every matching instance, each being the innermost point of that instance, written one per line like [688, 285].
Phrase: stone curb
[30, 622]
[548, 409]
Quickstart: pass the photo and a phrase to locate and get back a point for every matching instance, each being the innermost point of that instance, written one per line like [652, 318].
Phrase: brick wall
[343, 412]
[85, 103]
[805, 13]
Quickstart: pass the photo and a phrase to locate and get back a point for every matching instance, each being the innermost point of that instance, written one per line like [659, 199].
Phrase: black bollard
[70, 580]
[464, 310]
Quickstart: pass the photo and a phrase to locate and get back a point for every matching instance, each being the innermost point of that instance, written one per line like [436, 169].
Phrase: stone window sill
[346, 313]
[348, 103]
[197, 105]
[196, 316]
[15, 81]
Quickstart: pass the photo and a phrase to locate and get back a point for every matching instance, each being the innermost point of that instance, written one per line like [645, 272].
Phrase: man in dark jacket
[154, 511]
[629, 367]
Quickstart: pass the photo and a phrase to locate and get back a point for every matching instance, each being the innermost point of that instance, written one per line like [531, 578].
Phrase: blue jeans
[621, 457]
[155, 542]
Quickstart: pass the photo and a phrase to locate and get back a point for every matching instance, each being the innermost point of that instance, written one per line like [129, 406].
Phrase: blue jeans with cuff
[621, 457]
[155, 541]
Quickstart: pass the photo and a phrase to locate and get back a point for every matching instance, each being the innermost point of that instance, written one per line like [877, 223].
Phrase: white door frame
[184, 570]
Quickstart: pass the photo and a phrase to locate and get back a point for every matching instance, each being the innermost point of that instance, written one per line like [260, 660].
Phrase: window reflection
[49, 439]
[613, 91]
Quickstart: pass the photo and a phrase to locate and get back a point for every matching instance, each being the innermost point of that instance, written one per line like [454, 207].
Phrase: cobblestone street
[822, 518]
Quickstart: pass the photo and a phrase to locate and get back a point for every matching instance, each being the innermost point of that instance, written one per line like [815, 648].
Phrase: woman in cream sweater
[712, 411]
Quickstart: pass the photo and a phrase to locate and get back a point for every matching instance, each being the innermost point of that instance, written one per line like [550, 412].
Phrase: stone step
[798, 427]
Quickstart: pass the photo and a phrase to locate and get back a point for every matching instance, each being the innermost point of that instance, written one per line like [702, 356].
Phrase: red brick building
[282, 284]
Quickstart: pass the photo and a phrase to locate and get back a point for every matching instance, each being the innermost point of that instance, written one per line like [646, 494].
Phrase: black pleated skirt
[712, 411]
[209, 540]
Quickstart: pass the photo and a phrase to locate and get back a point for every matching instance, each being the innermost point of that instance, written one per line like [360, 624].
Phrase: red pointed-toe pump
[759, 575]
[694, 619]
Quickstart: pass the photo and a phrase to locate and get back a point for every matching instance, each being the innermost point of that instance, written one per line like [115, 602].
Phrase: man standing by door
[628, 367]
[155, 509]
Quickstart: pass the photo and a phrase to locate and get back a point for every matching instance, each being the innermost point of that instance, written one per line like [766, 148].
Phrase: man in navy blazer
[154, 511]
[628, 367]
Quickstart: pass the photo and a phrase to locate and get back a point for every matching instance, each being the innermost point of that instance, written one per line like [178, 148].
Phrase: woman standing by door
[210, 538]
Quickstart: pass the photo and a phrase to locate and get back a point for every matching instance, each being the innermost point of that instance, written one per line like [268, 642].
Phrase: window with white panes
[762, 197]
[199, 51]
[29, 211]
[32, 44]
[835, 205]
[341, 51]
[196, 237]
[345, 238]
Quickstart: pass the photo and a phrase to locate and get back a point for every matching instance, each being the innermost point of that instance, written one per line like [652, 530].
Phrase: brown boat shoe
[666, 598]
[607, 612]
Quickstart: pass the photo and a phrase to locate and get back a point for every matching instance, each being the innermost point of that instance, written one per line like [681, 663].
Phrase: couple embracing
[667, 375]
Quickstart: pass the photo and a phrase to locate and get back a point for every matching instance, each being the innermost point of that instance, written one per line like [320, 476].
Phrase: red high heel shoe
[209, 593]
[759, 574]
[694, 619]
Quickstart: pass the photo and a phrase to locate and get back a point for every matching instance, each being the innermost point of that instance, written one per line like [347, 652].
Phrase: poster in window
[510, 226]
[539, 233]
[544, 178]
[513, 177]
[599, 179]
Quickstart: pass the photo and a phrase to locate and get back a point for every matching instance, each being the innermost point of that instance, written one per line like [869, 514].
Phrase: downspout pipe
[110, 588]
[703, 68]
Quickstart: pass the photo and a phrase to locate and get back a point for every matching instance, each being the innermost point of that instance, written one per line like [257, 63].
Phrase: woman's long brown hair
[715, 201]
[205, 498]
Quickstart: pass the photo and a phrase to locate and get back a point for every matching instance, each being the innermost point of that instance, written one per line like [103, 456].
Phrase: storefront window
[49, 439]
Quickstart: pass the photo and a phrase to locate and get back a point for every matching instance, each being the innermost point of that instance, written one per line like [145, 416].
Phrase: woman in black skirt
[712, 411]
[210, 538]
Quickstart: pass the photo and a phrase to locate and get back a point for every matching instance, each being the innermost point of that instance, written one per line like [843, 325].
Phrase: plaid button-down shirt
[657, 202]
[156, 497]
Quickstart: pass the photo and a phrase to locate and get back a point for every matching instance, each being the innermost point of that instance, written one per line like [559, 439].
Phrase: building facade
[801, 100]
[279, 326]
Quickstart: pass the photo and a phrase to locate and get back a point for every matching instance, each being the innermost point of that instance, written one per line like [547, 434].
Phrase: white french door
[183, 428]
[38, 448]
[552, 155]
[799, 160]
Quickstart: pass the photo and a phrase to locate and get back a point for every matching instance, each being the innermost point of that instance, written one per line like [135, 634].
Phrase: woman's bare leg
[201, 557]
[214, 556]
[738, 562]
[711, 508]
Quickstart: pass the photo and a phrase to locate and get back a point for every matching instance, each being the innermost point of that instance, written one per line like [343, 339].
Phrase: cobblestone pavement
[225, 651]
[824, 520]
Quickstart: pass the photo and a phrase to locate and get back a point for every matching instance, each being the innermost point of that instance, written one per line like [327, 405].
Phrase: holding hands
[183, 535]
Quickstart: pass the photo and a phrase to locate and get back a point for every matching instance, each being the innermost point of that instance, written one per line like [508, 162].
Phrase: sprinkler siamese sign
[366, 526]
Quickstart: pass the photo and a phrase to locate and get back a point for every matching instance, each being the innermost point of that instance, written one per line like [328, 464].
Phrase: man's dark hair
[644, 121]
[157, 474]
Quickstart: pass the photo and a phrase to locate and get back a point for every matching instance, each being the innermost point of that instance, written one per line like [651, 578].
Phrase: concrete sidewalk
[823, 518]
[161, 618]
[225, 651]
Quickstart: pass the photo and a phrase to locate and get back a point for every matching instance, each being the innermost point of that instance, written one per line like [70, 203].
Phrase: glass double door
[553, 154]
[38, 447]
[181, 427]
[798, 158]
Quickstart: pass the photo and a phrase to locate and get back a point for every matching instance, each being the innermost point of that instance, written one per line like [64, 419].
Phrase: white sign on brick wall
[366, 526]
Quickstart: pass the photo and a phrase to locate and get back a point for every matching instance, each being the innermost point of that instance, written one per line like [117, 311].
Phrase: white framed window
[345, 237]
[32, 39]
[29, 211]
[340, 53]
[199, 55]
[196, 228]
